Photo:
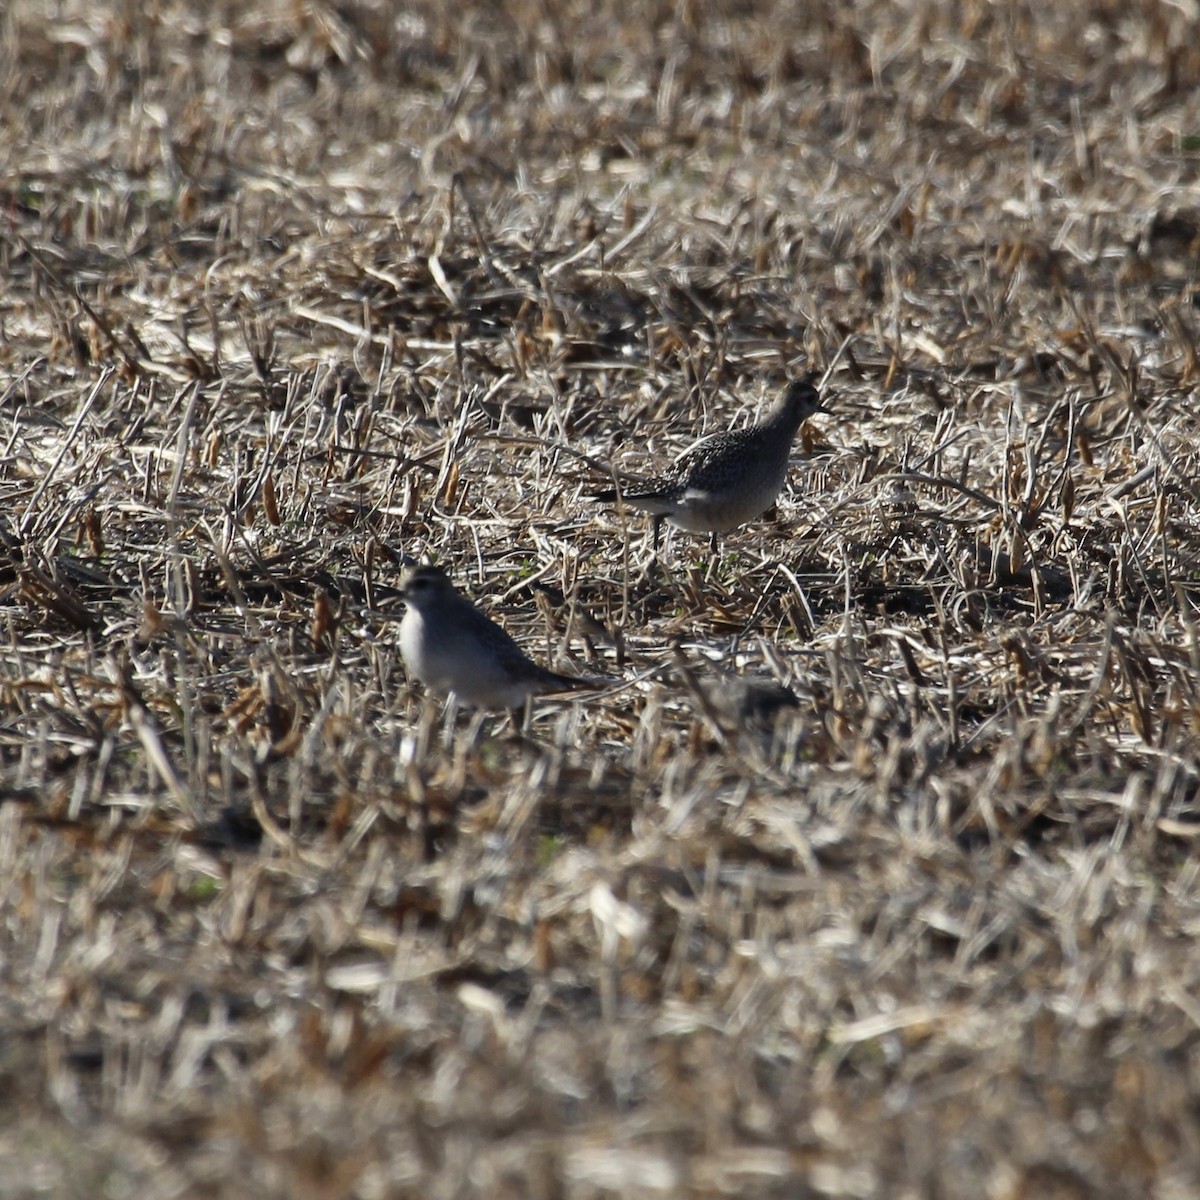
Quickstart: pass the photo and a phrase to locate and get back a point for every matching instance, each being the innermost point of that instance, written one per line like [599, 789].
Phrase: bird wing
[706, 463]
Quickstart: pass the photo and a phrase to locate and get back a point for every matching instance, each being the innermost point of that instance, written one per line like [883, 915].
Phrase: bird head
[801, 398]
[425, 585]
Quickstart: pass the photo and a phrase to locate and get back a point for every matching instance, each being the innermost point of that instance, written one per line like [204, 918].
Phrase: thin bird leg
[519, 717]
[657, 520]
[714, 555]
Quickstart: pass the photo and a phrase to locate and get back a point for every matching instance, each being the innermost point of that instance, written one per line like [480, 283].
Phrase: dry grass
[294, 291]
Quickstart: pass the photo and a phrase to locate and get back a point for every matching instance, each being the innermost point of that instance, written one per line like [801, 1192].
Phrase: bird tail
[554, 682]
[657, 503]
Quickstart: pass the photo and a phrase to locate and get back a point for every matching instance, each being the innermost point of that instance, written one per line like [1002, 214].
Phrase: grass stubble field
[293, 292]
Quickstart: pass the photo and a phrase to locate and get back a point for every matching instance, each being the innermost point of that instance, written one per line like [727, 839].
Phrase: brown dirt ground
[296, 291]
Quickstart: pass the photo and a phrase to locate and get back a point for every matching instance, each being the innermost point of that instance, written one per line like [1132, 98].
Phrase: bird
[454, 649]
[726, 479]
[733, 702]
[749, 702]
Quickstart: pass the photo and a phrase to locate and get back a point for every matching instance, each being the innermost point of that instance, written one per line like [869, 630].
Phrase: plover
[733, 702]
[727, 479]
[453, 649]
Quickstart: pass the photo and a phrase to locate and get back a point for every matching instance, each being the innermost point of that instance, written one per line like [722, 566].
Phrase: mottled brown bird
[728, 478]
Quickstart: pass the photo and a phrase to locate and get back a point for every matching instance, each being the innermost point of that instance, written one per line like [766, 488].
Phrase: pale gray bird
[453, 649]
[727, 479]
